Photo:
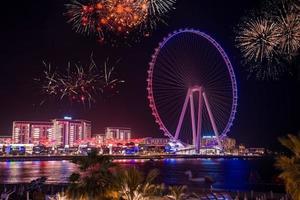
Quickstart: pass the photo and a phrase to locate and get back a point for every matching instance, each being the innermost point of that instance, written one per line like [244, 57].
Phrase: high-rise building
[69, 132]
[59, 132]
[31, 132]
[20, 132]
[118, 133]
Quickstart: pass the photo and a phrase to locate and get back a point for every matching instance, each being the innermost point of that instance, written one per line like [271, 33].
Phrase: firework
[285, 13]
[270, 42]
[110, 84]
[126, 15]
[296, 5]
[266, 70]
[88, 18]
[116, 17]
[51, 81]
[160, 7]
[80, 84]
[257, 39]
[289, 34]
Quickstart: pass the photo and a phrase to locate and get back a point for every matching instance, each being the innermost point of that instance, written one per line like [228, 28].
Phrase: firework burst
[120, 18]
[110, 84]
[290, 34]
[296, 5]
[269, 43]
[287, 16]
[80, 84]
[257, 39]
[266, 70]
[126, 15]
[88, 18]
[160, 7]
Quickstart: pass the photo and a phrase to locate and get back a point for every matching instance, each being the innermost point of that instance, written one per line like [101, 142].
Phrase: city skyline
[265, 110]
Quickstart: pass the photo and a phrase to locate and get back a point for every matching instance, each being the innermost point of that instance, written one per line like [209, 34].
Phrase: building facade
[5, 139]
[118, 133]
[31, 132]
[58, 132]
[156, 141]
[99, 139]
[228, 143]
[68, 132]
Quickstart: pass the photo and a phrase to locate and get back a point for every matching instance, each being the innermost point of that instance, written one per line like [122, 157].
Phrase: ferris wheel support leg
[182, 114]
[212, 120]
[199, 121]
[193, 119]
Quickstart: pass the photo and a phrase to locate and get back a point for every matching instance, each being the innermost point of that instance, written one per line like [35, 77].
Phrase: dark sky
[33, 31]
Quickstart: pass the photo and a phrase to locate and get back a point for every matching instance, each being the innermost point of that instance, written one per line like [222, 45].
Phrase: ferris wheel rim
[227, 62]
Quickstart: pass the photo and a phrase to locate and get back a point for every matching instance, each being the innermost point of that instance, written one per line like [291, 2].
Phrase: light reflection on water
[228, 173]
[26, 171]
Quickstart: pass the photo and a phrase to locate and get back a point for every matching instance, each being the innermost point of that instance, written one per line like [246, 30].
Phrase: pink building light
[58, 132]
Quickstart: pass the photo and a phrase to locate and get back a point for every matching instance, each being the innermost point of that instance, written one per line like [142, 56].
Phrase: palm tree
[96, 178]
[290, 165]
[85, 162]
[177, 192]
[134, 186]
[59, 196]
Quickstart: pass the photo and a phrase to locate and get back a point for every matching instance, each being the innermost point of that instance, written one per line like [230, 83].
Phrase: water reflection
[227, 173]
[25, 171]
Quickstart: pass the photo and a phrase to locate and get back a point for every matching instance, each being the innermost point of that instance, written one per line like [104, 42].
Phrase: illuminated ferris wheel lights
[171, 99]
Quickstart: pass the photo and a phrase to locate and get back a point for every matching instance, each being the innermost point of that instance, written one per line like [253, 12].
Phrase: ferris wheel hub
[196, 88]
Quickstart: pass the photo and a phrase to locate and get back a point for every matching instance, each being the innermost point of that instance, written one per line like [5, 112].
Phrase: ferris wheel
[192, 88]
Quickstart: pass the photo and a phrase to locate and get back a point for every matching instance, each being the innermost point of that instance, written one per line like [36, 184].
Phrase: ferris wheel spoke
[172, 62]
[168, 70]
[168, 75]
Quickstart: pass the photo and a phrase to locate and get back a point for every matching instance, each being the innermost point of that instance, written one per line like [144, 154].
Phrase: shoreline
[127, 157]
[52, 188]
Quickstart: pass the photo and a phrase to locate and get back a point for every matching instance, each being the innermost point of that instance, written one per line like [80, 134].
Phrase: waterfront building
[118, 133]
[99, 138]
[67, 132]
[228, 143]
[155, 141]
[5, 139]
[58, 132]
[257, 151]
[208, 141]
[31, 132]
[242, 149]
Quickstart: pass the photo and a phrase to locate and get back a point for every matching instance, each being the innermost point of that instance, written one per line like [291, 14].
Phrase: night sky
[34, 31]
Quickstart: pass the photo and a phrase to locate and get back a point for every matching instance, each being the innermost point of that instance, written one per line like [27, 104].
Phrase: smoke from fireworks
[116, 17]
[80, 84]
